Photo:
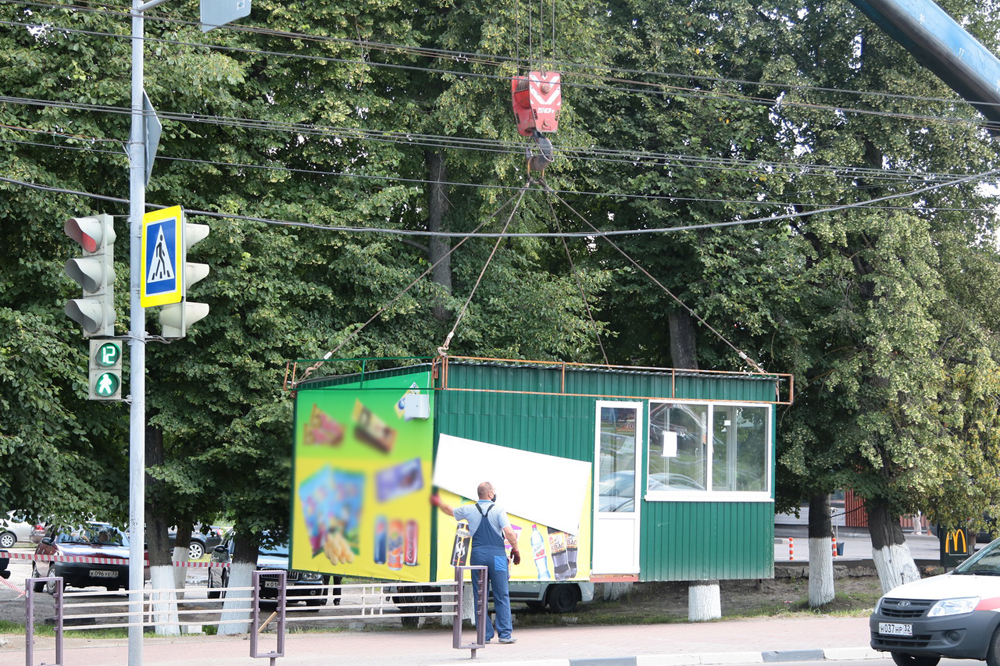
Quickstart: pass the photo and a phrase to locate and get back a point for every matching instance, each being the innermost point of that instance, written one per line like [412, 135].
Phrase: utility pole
[213, 14]
[137, 339]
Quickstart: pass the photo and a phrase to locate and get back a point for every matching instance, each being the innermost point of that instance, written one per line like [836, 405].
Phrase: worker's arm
[447, 510]
[511, 537]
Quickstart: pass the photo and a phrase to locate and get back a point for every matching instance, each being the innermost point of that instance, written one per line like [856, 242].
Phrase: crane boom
[943, 46]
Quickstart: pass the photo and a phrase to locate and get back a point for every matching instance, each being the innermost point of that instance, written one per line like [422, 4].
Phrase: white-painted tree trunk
[180, 556]
[236, 609]
[820, 572]
[164, 603]
[615, 591]
[704, 601]
[468, 607]
[895, 566]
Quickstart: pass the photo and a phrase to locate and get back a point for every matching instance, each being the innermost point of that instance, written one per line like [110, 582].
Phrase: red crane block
[537, 99]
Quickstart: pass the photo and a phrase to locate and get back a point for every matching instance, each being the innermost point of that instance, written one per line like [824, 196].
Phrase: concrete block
[731, 658]
[853, 653]
[793, 655]
[668, 660]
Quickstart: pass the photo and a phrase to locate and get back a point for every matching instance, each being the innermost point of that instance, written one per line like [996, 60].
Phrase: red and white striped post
[834, 540]
[791, 548]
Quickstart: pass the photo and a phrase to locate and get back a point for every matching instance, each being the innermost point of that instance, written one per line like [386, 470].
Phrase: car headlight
[953, 606]
[310, 576]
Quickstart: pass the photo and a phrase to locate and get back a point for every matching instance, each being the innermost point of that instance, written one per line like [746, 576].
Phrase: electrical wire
[485, 186]
[533, 234]
[645, 159]
[465, 56]
[659, 88]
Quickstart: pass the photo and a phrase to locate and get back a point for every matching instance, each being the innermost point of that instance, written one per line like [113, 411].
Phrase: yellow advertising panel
[546, 553]
[362, 479]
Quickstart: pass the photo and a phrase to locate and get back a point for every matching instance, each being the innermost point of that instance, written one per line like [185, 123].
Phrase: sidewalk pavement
[762, 640]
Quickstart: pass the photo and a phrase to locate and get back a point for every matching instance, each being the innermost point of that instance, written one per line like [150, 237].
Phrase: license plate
[894, 629]
[103, 573]
[271, 583]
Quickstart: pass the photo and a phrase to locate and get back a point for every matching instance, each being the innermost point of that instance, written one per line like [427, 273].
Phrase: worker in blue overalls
[489, 525]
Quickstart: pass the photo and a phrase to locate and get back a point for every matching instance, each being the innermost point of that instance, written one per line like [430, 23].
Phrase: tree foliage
[676, 115]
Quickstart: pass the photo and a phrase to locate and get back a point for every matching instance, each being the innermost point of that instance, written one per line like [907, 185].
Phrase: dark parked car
[203, 540]
[88, 540]
[301, 586]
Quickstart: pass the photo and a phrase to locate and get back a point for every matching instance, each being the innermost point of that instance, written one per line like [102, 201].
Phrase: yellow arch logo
[952, 539]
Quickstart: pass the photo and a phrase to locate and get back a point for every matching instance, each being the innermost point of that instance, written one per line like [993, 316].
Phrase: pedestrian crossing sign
[162, 257]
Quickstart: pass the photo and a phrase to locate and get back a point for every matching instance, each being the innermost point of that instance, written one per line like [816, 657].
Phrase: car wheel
[315, 602]
[410, 621]
[38, 586]
[904, 659]
[7, 540]
[196, 550]
[50, 585]
[562, 599]
[993, 653]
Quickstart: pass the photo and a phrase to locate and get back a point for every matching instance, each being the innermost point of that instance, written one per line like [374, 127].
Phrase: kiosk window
[683, 457]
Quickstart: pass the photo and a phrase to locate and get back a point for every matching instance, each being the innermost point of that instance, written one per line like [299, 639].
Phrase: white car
[12, 531]
[954, 615]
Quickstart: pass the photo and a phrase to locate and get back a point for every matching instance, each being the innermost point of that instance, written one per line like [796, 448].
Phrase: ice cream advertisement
[361, 479]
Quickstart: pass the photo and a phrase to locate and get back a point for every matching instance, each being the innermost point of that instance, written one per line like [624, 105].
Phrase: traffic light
[177, 317]
[105, 382]
[95, 272]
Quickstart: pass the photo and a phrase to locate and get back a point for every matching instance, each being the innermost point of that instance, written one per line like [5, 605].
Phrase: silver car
[13, 530]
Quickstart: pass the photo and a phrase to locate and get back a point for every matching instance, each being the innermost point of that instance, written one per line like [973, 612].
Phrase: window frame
[710, 495]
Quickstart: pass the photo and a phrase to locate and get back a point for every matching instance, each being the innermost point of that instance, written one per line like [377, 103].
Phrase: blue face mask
[494, 497]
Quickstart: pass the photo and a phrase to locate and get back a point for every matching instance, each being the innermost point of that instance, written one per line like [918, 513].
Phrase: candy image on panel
[372, 430]
[400, 480]
[321, 429]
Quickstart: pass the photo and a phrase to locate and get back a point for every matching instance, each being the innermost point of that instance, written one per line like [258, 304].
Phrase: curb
[711, 658]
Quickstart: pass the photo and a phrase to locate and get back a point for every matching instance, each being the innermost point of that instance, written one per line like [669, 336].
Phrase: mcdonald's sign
[955, 546]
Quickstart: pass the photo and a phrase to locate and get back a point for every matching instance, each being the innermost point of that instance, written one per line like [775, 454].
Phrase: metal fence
[407, 602]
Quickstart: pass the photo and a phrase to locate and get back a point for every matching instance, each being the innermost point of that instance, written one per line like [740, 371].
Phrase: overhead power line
[578, 69]
[650, 88]
[645, 159]
[534, 234]
[754, 203]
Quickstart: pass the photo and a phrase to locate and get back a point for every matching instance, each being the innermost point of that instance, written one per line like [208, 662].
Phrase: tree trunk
[180, 555]
[821, 589]
[437, 209]
[236, 609]
[161, 569]
[704, 601]
[615, 591]
[683, 341]
[891, 555]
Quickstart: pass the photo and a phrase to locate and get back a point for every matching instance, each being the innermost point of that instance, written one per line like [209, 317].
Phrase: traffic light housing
[175, 318]
[105, 370]
[94, 272]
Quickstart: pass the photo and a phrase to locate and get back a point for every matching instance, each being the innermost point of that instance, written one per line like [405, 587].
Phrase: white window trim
[716, 495]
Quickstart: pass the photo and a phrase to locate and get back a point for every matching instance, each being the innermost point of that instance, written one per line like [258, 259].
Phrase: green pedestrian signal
[105, 370]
